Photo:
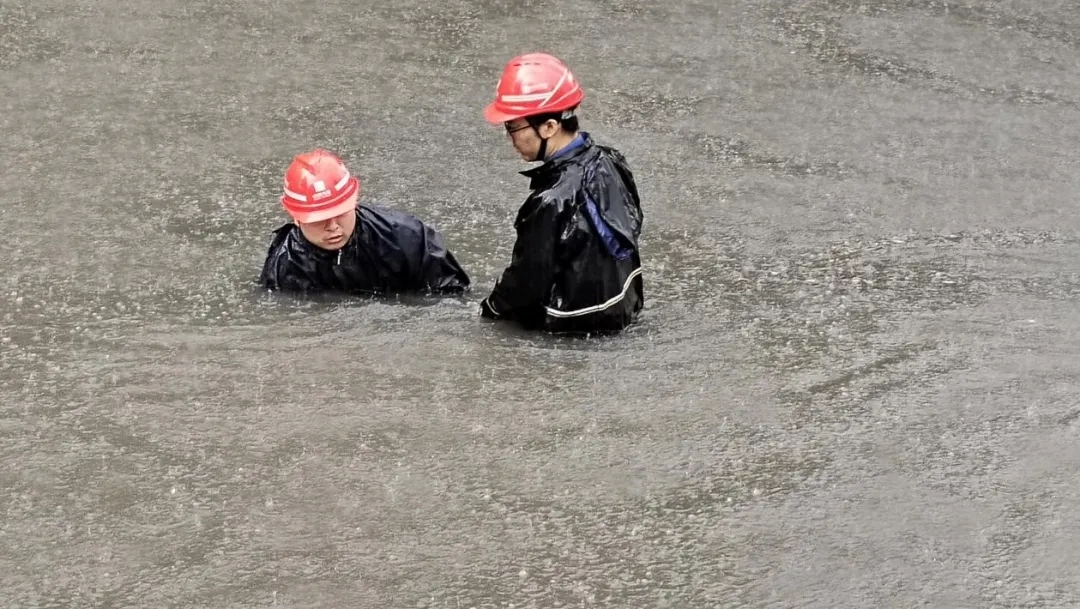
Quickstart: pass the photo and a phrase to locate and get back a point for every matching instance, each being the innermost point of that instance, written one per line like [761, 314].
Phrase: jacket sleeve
[281, 273]
[433, 266]
[521, 290]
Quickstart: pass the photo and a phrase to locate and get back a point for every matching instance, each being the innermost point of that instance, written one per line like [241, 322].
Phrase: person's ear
[549, 128]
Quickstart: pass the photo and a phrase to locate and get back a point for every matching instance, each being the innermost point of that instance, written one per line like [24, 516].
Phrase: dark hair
[570, 124]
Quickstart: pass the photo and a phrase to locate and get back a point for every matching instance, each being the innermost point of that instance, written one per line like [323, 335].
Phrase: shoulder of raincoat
[575, 266]
[390, 251]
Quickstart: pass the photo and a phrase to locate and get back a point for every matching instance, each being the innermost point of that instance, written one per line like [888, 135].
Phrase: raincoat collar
[579, 146]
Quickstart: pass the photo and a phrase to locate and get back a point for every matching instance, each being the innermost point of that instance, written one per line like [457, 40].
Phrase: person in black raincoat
[335, 244]
[575, 266]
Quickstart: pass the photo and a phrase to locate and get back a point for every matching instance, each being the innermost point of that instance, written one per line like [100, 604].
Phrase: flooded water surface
[854, 383]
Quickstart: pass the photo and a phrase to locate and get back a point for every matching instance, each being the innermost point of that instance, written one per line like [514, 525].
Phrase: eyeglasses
[511, 129]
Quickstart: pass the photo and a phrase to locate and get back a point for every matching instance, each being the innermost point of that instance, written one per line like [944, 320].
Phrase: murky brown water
[855, 384]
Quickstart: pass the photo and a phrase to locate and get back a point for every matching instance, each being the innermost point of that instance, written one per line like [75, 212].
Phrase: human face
[331, 234]
[525, 139]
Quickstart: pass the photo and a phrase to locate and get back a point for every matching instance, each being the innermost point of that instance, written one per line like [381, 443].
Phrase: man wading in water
[334, 244]
[575, 265]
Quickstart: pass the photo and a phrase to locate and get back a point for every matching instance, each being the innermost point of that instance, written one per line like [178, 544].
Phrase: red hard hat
[318, 187]
[535, 83]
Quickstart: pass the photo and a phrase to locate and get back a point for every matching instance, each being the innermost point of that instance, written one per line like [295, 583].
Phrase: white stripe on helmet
[341, 183]
[518, 99]
[547, 97]
[293, 195]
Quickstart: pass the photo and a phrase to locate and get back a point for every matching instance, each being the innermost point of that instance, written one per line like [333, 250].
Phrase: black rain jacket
[575, 266]
[389, 252]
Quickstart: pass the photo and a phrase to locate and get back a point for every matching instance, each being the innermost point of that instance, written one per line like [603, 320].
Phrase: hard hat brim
[497, 117]
[307, 217]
